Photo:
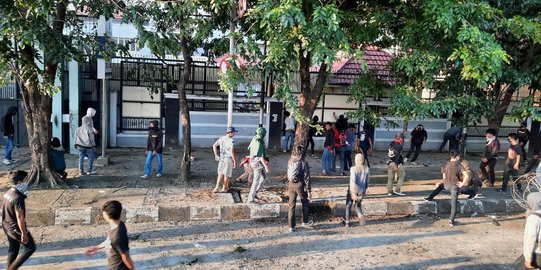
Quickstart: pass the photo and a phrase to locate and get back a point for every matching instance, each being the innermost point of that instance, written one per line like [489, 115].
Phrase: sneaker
[473, 197]
[389, 194]
[323, 174]
[292, 229]
[399, 193]
[7, 162]
[285, 151]
[500, 190]
[144, 176]
[405, 159]
[451, 223]
[414, 163]
[313, 156]
[427, 199]
[158, 175]
[92, 172]
[343, 174]
[347, 225]
[308, 224]
[13, 160]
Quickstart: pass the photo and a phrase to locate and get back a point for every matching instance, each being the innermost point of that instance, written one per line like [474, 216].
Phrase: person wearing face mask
[490, 156]
[14, 222]
[395, 167]
[154, 149]
[418, 137]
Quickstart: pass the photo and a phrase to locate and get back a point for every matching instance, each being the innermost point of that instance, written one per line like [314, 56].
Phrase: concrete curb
[91, 216]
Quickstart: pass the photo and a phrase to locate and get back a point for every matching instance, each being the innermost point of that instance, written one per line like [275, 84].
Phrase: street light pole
[231, 52]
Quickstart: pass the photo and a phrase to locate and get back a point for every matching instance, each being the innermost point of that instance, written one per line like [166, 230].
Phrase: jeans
[349, 203]
[454, 197]
[348, 163]
[507, 174]
[417, 151]
[259, 178]
[289, 139]
[491, 163]
[293, 193]
[339, 152]
[89, 153]
[9, 147]
[391, 175]
[148, 165]
[453, 143]
[326, 160]
[14, 259]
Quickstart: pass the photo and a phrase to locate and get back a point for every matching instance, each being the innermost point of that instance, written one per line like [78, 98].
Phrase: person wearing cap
[14, 222]
[418, 137]
[226, 159]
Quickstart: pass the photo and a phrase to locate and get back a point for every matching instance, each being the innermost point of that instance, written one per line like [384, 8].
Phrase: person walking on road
[328, 150]
[490, 157]
[418, 137]
[260, 169]
[452, 173]
[512, 164]
[395, 168]
[85, 143]
[299, 185]
[358, 184]
[154, 149]
[289, 136]
[14, 222]
[9, 134]
[226, 160]
[117, 242]
[453, 135]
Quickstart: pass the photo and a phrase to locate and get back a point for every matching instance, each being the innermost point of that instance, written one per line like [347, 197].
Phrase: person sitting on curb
[358, 184]
[248, 172]
[470, 183]
[260, 168]
[226, 160]
[299, 185]
[452, 174]
[57, 157]
[395, 167]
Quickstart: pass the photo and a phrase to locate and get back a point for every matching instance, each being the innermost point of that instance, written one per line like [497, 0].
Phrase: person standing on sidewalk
[328, 149]
[9, 134]
[340, 149]
[350, 143]
[14, 222]
[260, 169]
[451, 176]
[154, 149]
[453, 135]
[364, 143]
[490, 156]
[418, 137]
[395, 168]
[289, 136]
[523, 137]
[85, 143]
[512, 164]
[226, 160]
[358, 184]
[117, 242]
[311, 133]
[299, 185]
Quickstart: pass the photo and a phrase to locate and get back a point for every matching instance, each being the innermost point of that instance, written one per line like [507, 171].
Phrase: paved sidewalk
[162, 199]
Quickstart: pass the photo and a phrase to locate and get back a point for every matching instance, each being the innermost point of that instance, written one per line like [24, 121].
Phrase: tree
[179, 28]
[36, 37]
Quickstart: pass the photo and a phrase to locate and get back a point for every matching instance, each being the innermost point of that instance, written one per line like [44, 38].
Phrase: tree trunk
[500, 106]
[308, 98]
[185, 161]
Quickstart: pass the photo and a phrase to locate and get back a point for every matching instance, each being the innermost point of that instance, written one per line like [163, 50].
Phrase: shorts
[225, 167]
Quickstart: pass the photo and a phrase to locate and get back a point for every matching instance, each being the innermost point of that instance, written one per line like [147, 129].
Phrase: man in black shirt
[418, 137]
[14, 222]
[523, 137]
[118, 255]
[512, 164]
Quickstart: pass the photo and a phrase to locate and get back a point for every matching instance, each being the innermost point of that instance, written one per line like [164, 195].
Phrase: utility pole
[231, 52]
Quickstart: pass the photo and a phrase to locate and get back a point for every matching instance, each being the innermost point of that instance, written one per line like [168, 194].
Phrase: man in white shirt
[289, 136]
[226, 159]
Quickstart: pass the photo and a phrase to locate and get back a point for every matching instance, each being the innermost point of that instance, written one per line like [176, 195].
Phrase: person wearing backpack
[358, 183]
[532, 230]
[298, 176]
[395, 168]
[470, 183]
[9, 133]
